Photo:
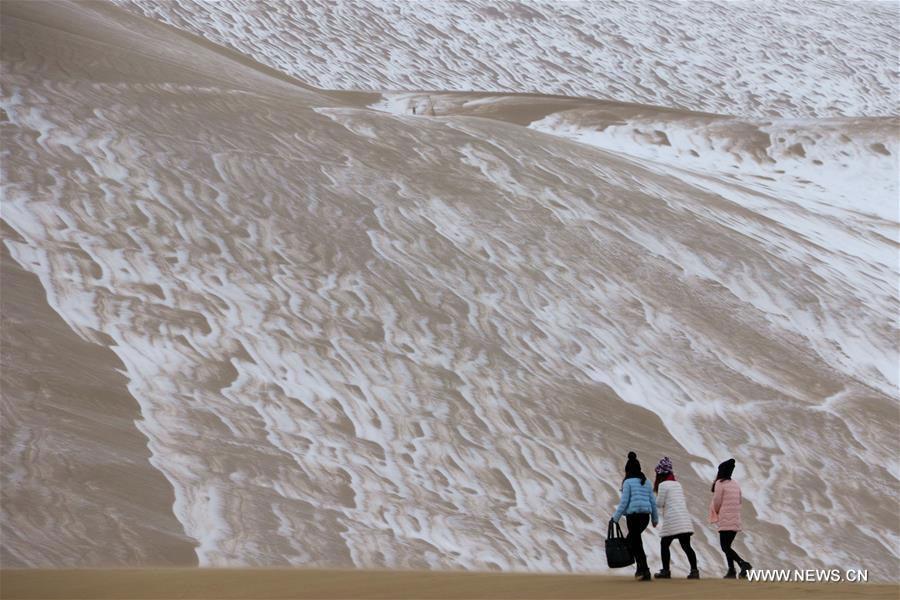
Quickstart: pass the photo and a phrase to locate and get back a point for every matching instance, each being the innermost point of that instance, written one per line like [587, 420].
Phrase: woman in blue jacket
[638, 504]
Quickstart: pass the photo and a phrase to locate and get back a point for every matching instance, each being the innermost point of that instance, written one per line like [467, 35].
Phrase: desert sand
[272, 584]
[252, 322]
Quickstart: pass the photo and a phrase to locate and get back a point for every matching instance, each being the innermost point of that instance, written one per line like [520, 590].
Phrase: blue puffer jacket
[637, 499]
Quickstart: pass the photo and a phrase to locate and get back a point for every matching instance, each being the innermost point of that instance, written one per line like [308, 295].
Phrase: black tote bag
[617, 552]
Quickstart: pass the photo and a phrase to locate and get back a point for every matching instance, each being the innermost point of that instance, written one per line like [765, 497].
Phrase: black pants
[726, 538]
[636, 525]
[685, 540]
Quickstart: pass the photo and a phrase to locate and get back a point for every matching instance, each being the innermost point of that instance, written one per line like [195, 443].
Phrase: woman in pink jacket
[725, 512]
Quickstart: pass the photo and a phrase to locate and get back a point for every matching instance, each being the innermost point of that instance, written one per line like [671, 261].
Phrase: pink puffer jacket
[725, 507]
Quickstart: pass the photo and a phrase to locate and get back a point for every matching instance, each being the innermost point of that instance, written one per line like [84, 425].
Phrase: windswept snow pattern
[788, 59]
[365, 338]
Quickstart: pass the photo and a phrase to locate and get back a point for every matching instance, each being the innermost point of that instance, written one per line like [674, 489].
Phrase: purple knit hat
[664, 466]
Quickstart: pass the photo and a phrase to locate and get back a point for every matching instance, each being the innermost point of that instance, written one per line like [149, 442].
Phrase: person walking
[638, 504]
[725, 512]
[676, 520]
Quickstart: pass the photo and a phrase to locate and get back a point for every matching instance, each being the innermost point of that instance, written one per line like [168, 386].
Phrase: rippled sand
[78, 489]
[357, 337]
[761, 59]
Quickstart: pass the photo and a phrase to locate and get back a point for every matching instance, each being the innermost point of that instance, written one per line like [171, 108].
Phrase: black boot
[663, 574]
[694, 574]
[730, 574]
[645, 575]
[745, 566]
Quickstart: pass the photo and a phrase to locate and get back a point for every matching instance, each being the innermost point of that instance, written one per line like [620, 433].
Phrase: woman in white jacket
[676, 521]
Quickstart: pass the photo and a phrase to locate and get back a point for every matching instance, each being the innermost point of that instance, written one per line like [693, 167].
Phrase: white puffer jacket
[675, 516]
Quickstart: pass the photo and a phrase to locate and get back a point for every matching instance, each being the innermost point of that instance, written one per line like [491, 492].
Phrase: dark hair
[724, 474]
[660, 477]
[718, 479]
[639, 474]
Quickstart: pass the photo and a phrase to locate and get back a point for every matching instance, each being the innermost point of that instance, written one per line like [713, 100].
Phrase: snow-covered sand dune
[762, 59]
[368, 338]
